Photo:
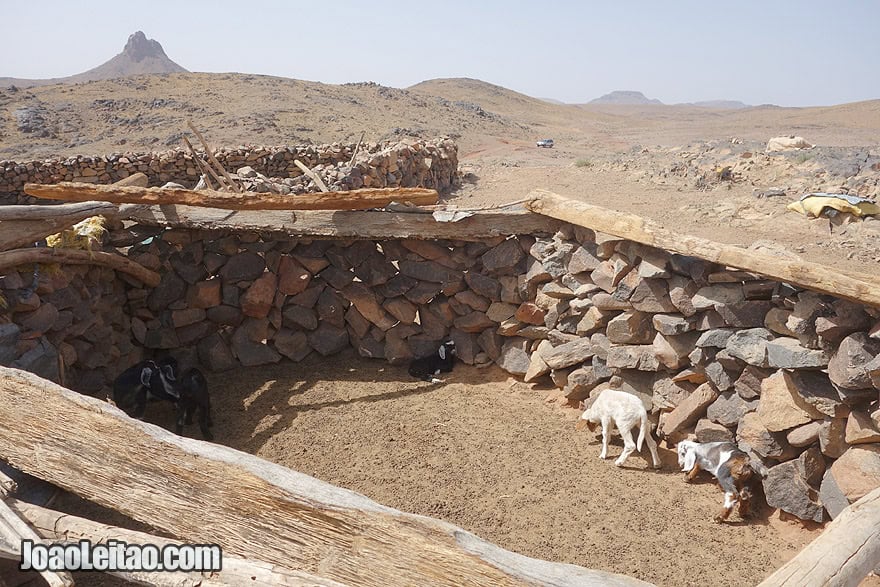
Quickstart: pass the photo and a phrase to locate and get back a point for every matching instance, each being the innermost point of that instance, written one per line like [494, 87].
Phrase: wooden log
[22, 226]
[13, 530]
[206, 169]
[311, 174]
[363, 199]
[208, 493]
[842, 555]
[859, 287]
[352, 224]
[213, 160]
[236, 572]
[14, 258]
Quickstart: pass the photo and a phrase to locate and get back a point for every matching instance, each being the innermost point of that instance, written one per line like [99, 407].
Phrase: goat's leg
[629, 445]
[690, 475]
[652, 446]
[204, 422]
[606, 432]
[188, 420]
[181, 417]
[140, 404]
[730, 500]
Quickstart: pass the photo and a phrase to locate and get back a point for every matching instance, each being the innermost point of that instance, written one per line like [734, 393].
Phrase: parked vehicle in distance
[547, 143]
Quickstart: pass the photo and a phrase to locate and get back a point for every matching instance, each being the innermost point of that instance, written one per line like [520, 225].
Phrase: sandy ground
[495, 456]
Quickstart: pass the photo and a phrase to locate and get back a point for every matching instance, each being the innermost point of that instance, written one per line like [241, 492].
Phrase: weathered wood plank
[858, 287]
[236, 572]
[363, 199]
[208, 493]
[13, 530]
[846, 551]
[22, 226]
[14, 258]
[352, 224]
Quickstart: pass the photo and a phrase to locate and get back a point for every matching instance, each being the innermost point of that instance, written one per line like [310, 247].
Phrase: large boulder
[855, 474]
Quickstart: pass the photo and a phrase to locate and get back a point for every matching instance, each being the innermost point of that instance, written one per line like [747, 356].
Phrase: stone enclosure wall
[430, 164]
[790, 375]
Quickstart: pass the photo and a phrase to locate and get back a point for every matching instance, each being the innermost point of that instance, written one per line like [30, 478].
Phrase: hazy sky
[791, 53]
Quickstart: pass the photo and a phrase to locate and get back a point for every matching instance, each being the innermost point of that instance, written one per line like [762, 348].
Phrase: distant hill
[140, 56]
[625, 97]
[720, 104]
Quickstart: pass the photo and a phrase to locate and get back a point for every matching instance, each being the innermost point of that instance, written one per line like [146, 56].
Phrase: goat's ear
[146, 375]
[690, 459]
[442, 351]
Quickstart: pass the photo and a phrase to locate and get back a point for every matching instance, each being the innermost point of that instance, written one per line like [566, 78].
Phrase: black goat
[426, 368]
[192, 389]
[141, 383]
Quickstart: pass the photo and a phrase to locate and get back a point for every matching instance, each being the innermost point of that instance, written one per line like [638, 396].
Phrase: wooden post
[363, 199]
[859, 287]
[309, 173]
[208, 493]
[842, 555]
[356, 149]
[234, 186]
[206, 169]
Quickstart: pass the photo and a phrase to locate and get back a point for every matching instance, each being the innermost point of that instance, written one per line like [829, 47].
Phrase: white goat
[627, 412]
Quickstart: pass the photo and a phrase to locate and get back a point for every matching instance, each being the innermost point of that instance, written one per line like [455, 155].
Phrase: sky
[789, 53]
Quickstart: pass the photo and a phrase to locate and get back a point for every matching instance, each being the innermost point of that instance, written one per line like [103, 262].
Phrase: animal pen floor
[492, 455]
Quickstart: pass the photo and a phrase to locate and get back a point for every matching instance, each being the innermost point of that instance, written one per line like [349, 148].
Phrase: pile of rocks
[431, 164]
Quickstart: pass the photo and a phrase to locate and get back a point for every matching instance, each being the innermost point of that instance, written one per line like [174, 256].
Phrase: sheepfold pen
[719, 342]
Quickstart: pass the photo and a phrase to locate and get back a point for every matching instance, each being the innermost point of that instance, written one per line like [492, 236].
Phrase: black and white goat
[143, 382]
[427, 368]
[731, 467]
[159, 380]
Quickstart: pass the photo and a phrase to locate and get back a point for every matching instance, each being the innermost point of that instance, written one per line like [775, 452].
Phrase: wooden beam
[859, 287]
[309, 173]
[236, 572]
[14, 258]
[843, 554]
[363, 199]
[22, 226]
[206, 169]
[208, 493]
[213, 160]
[352, 224]
[13, 530]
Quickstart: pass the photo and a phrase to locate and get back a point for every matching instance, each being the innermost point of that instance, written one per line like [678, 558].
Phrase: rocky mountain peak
[139, 47]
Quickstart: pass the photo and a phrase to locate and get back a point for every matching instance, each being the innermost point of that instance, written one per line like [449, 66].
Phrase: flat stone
[750, 345]
[630, 327]
[466, 347]
[39, 320]
[328, 339]
[861, 429]
[709, 319]
[204, 294]
[250, 353]
[816, 389]
[294, 315]
[484, 285]
[672, 351]
[580, 383]
[667, 394]
[368, 305]
[640, 357]
[744, 314]
[569, 354]
[787, 353]
[503, 257]
[709, 296]
[804, 435]
[330, 308]
[690, 409]
[491, 343]
[681, 293]
[610, 272]
[708, 431]
[776, 320]
[557, 290]
[402, 309]
[786, 489]
[258, 298]
[593, 319]
[292, 344]
[514, 358]
[293, 278]
[473, 322]
[748, 385]
[672, 324]
[847, 366]
[530, 313]
[832, 437]
[751, 434]
[538, 367]
[857, 472]
[605, 301]
[170, 289]
[429, 271]
[781, 407]
[652, 295]
[501, 311]
[715, 338]
[582, 260]
[245, 266]
[729, 408]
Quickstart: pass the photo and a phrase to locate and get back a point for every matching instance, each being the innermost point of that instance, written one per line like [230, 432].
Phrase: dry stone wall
[431, 164]
[715, 354]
